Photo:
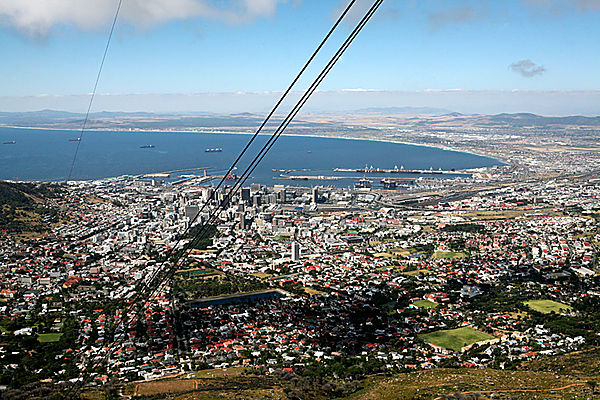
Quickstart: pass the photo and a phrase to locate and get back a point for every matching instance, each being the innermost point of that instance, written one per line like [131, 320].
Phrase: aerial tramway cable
[262, 153]
[291, 115]
[269, 144]
[170, 272]
[184, 250]
[153, 285]
[268, 117]
[87, 114]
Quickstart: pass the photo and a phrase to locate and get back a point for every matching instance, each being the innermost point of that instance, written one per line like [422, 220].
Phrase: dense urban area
[296, 292]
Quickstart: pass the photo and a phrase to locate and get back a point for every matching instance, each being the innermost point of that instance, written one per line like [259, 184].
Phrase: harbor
[401, 170]
[340, 176]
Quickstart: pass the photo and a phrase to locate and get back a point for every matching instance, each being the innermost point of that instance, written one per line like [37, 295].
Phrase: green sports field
[425, 304]
[456, 339]
[49, 337]
[448, 255]
[547, 306]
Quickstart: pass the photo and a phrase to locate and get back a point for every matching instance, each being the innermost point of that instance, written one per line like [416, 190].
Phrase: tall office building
[295, 251]
[246, 195]
[280, 192]
[191, 211]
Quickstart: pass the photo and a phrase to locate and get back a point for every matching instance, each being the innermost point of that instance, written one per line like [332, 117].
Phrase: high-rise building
[191, 211]
[281, 194]
[246, 195]
[315, 195]
[295, 251]
[255, 187]
[207, 194]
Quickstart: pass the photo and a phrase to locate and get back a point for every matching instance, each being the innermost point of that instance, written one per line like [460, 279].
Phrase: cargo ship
[10, 142]
[75, 140]
[364, 183]
[217, 150]
[147, 146]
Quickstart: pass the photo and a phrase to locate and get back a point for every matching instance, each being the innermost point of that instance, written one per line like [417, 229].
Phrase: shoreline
[440, 147]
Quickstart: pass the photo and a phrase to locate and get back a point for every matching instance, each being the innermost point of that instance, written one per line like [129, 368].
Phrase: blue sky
[202, 46]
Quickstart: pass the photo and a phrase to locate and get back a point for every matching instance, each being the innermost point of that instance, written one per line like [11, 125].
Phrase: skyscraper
[246, 195]
[295, 251]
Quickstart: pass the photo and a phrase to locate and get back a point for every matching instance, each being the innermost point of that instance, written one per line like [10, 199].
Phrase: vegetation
[548, 306]
[456, 339]
[448, 255]
[496, 299]
[25, 194]
[426, 249]
[203, 236]
[476, 384]
[469, 228]
[30, 369]
[415, 272]
[199, 288]
[49, 337]
[312, 292]
[426, 304]
[22, 207]
[566, 377]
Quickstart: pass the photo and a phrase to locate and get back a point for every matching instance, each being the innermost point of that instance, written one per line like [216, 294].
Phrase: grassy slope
[557, 377]
[540, 378]
[496, 384]
[20, 211]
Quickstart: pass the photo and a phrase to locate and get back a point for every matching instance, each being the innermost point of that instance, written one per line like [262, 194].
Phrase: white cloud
[37, 17]
[527, 68]
[260, 7]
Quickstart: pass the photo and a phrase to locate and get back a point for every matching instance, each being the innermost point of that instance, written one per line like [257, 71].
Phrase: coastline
[474, 152]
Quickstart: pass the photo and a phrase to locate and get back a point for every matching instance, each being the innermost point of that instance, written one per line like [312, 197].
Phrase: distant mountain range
[126, 120]
[405, 110]
[242, 122]
[157, 121]
[533, 119]
[519, 120]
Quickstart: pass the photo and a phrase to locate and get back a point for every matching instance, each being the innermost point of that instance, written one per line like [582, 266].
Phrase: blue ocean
[39, 154]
